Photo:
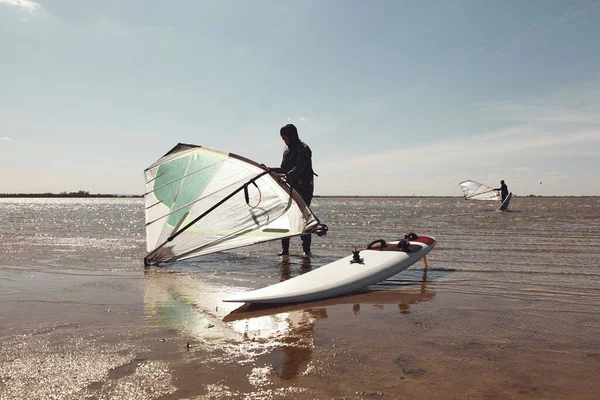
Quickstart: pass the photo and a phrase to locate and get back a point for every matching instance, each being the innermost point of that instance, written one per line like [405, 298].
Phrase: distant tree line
[80, 193]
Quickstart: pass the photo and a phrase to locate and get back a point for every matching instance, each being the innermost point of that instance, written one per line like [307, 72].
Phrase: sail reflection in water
[187, 304]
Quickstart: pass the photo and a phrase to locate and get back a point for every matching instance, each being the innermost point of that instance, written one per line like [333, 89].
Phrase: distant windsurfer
[297, 165]
[503, 190]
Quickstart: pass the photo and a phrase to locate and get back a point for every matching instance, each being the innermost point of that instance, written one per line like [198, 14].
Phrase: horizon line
[82, 194]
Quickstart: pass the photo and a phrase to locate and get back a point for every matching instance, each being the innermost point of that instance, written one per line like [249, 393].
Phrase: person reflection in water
[286, 271]
[408, 299]
[297, 346]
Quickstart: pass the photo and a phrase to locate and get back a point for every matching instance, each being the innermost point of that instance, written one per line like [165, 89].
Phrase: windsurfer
[297, 165]
[503, 190]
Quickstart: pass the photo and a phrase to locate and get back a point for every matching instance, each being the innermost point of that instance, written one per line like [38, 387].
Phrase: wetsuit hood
[291, 132]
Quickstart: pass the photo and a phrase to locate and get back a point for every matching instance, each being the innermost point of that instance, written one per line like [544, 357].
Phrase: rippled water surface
[542, 248]
[504, 293]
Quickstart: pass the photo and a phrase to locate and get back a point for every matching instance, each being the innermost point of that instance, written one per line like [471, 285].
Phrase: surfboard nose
[428, 240]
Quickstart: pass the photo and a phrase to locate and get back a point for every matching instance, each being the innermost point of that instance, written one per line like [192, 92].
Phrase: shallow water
[510, 301]
[543, 248]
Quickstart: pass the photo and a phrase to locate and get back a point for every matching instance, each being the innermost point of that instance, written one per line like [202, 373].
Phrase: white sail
[478, 191]
[200, 200]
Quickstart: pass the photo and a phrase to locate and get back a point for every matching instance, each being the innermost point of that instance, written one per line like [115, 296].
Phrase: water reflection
[284, 334]
[285, 268]
[403, 298]
[179, 302]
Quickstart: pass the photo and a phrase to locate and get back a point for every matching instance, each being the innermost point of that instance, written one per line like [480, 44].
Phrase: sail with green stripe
[200, 200]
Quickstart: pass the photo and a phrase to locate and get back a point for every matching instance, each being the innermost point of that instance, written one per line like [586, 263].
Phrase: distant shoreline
[129, 196]
[436, 197]
[68, 195]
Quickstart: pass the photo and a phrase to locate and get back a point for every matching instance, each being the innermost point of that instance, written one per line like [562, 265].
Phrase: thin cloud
[26, 5]
[567, 106]
[299, 119]
[371, 103]
[492, 149]
[325, 122]
[559, 177]
[4, 138]
[540, 30]
[522, 169]
[517, 140]
[540, 113]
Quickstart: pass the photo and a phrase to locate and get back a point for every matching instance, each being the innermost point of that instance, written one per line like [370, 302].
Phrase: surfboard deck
[506, 202]
[343, 276]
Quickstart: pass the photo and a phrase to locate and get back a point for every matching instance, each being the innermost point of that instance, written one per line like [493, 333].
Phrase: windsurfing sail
[478, 191]
[200, 200]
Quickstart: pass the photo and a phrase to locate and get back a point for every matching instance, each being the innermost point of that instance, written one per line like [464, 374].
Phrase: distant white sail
[200, 200]
[478, 191]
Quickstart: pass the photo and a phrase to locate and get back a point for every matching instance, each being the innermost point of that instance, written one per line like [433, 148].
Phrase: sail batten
[178, 179]
[182, 207]
[225, 202]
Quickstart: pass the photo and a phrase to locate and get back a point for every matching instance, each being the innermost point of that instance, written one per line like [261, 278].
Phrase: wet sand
[156, 335]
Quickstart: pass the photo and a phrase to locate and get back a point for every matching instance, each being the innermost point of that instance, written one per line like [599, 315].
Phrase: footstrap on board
[403, 244]
[382, 244]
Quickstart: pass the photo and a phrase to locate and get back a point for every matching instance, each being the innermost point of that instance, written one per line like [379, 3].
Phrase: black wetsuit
[297, 165]
[503, 191]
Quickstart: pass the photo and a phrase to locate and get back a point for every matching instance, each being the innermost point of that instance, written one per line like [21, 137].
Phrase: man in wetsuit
[503, 190]
[297, 165]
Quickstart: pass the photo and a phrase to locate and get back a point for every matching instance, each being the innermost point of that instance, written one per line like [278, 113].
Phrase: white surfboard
[506, 202]
[381, 261]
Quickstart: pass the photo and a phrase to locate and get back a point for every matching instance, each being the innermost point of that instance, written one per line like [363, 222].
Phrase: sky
[393, 97]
